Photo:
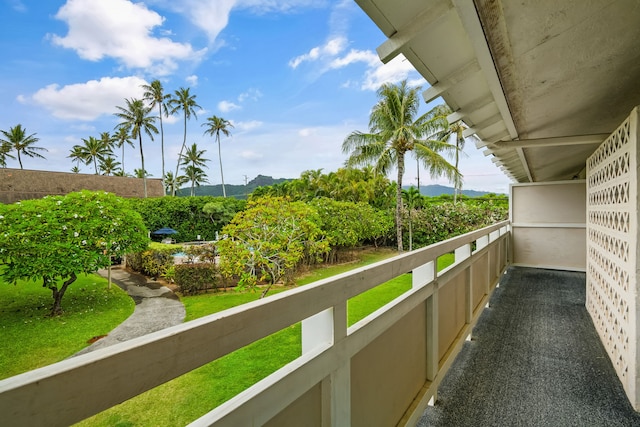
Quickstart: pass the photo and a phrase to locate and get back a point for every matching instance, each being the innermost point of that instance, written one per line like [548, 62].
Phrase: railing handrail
[106, 376]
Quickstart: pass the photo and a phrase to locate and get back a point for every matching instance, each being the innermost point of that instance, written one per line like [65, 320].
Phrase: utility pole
[245, 184]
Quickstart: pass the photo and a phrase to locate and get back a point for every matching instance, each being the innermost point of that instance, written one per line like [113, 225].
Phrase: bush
[194, 278]
[153, 262]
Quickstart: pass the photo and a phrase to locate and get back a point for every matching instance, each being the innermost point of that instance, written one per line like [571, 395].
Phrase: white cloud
[251, 94]
[192, 80]
[250, 155]
[246, 126]
[330, 49]
[355, 56]
[396, 70]
[226, 106]
[87, 101]
[122, 30]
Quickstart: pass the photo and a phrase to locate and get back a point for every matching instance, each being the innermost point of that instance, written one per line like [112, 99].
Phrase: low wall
[19, 184]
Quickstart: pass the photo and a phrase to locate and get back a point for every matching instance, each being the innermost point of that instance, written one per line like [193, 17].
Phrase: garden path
[157, 307]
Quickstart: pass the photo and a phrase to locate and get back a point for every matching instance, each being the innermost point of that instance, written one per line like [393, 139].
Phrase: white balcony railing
[383, 370]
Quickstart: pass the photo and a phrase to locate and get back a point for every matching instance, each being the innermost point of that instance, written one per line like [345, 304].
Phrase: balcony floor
[535, 360]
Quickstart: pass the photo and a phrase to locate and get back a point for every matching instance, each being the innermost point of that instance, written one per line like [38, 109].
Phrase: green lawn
[31, 339]
[190, 396]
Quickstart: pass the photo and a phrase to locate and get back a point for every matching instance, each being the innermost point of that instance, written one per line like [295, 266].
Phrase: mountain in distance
[232, 190]
[434, 190]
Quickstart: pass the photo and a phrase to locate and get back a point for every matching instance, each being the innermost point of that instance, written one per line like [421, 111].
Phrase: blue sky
[294, 77]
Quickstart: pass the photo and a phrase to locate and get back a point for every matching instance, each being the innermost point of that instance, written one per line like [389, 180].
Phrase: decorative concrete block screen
[612, 255]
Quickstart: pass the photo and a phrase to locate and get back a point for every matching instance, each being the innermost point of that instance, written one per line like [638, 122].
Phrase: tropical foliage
[395, 130]
[16, 139]
[54, 239]
[216, 126]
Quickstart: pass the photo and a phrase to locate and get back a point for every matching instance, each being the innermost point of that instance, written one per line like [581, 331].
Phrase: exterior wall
[612, 247]
[19, 184]
[548, 225]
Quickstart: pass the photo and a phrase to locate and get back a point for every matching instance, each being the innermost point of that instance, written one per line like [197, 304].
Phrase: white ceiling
[541, 83]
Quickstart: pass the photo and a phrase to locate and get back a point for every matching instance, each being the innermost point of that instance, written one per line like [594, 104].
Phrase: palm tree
[454, 129]
[412, 200]
[77, 155]
[108, 165]
[215, 126]
[92, 151]
[121, 138]
[172, 183]
[154, 95]
[136, 119]
[17, 139]
[196, 175]
[192, 160]
[185, 101]
[5, 150]
[394, 130]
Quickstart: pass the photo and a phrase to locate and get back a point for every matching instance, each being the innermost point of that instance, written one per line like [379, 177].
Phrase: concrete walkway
[157, 307]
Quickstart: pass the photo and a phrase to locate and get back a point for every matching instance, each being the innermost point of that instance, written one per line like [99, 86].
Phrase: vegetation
[16, 139]
[216, 126]
[394, 130]
[135, 119]
[183, 100]
[268, 240]
[55, 239]
[155, 96]
[192, 162]
[32, 339]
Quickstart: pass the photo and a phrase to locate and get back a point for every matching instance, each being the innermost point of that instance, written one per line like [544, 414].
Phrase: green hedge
[153, 262]
[194, 278]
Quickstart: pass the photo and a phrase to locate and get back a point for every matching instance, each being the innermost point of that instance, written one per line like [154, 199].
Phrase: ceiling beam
[471, 22]
[403, 36]
[461, 74]
[561, 141]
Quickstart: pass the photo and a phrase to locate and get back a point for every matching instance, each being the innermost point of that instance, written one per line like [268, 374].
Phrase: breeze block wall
[612, 250]
[19, 184]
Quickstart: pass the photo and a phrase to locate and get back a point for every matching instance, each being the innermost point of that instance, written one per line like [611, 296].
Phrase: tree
[266, 241]
[185, 101]
[412, 200]
[154, 95]
[455, 130]
[196, 175]
[215, 126]
[18, 140]
[56, 238]
[109, 165]
[122, 138]
[192, 161]
[92, 151]
[136, 119]
[5, 150]
[394, 130]
[172, 183]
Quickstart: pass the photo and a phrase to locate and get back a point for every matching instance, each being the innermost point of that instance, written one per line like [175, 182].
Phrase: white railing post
[317, 330]
[422, 275]
[462, 253]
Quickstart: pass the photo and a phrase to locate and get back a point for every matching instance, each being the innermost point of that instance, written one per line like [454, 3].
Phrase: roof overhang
[539, 83]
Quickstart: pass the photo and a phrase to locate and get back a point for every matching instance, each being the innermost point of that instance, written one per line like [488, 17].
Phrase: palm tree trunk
[144, 172]
[161, 138]
[184, 141]
[224, 193]
[399, 201]
[19, 159]
[457, 181]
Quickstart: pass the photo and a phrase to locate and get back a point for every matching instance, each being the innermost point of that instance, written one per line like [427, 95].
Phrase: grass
[31, 339]
[190, 396]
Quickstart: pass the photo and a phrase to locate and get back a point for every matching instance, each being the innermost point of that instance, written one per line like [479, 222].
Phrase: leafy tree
[183, 100]
[268, 240]
[192, 161]
[136, 119]
[394, 130]
[55, 239]
[215, 126]
[77, 155]
[18, 140]
[346, 225]
[154, 95]
[122, 138]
